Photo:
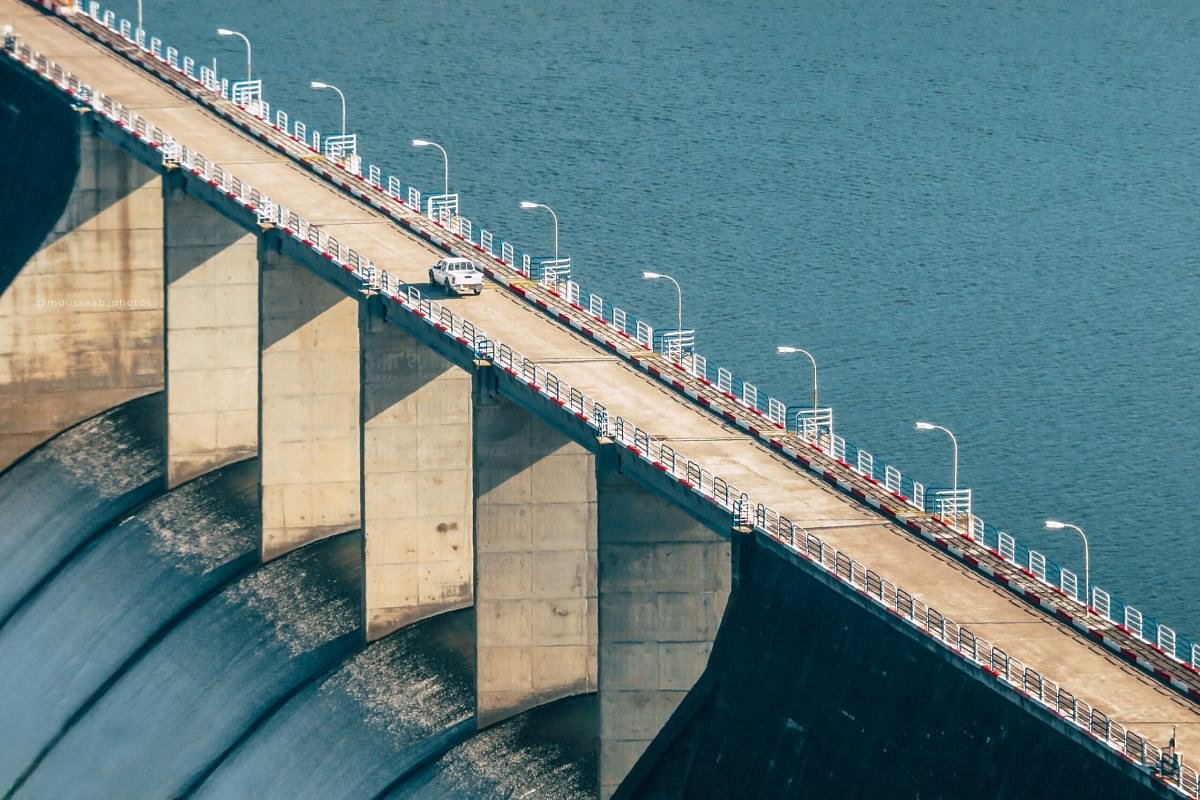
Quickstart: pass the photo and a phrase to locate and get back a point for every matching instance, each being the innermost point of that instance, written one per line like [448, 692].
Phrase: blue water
[980, 215]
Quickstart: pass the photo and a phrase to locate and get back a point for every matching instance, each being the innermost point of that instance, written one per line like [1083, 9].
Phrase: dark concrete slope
[386, 711]
[812, 691]
[74, 486]
[62, 648]
[38, 164]
[210, 681]
[549, 752]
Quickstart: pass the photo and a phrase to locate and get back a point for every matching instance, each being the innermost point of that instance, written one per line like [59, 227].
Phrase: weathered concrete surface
[308, 405]
[535, 560]
[664, 582]
[814, 691]
[416, 478]
[81, 324]
[1028, 634]
[212, 336]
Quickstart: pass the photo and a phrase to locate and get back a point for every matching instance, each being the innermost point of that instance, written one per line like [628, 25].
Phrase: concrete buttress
[81, 324]
[535, 559]
[664, 582]
[416, 477]
[308, 404]
[212, 335]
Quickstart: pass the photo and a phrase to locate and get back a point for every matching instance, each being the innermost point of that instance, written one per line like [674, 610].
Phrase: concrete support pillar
[212, 336]
[416, 477]
[81, 324]
[535, 561]
[664, 583]
[308, 405]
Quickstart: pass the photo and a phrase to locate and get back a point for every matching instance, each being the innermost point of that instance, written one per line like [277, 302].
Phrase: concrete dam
[282, 521]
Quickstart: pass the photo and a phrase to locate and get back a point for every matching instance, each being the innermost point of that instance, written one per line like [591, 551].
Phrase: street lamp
[785, 349]
[929, 426]
[445, 161]
[527, 204]
[319, 85]
[1055, 525]
[649, 276]
[227, 32]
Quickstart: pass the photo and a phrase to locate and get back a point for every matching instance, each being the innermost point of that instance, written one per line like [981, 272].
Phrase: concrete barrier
[308, 405]
[417, 477]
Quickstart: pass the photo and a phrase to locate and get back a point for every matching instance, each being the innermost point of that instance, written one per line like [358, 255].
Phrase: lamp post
[527, 204]
[1055, 525]
[242, 36]
[445, 161]
[649, 276]
[785, 349]
[139, 25]
[319, 85]
[929, 426]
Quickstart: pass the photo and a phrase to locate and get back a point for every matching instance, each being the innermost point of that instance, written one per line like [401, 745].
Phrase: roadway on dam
[1084, 668]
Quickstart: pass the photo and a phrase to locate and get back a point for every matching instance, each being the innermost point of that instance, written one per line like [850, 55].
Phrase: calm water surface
[979, 215]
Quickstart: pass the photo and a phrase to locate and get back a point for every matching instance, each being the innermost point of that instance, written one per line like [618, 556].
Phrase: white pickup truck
[456, 275]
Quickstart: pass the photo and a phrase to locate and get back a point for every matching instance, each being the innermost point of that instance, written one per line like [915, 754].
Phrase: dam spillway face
[161, 658]
[276, 523]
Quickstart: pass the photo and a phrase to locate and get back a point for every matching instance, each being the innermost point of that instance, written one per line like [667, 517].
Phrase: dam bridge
[623, 520]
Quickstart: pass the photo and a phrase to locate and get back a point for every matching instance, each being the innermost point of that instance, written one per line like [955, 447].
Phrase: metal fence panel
[1166, 640]
[1133, 621]
[1037, 564]
[1101, 602]
[1007, 547]
[645, 335]
[891, 479]
[724, 381]
[1069, 583]
[776, 411]
[749, 395]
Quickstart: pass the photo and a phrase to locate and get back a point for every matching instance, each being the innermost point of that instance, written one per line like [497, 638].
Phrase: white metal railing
[777, 412]
[1037, 565]
[554, 269]
[674, 343]
[645, 335]
[340, 147]
[1069, 584]
[1100, 602]
[618, 321]
[813, 423]
[267, 211]
[951, 503]
[437, 205]
[246, 93]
